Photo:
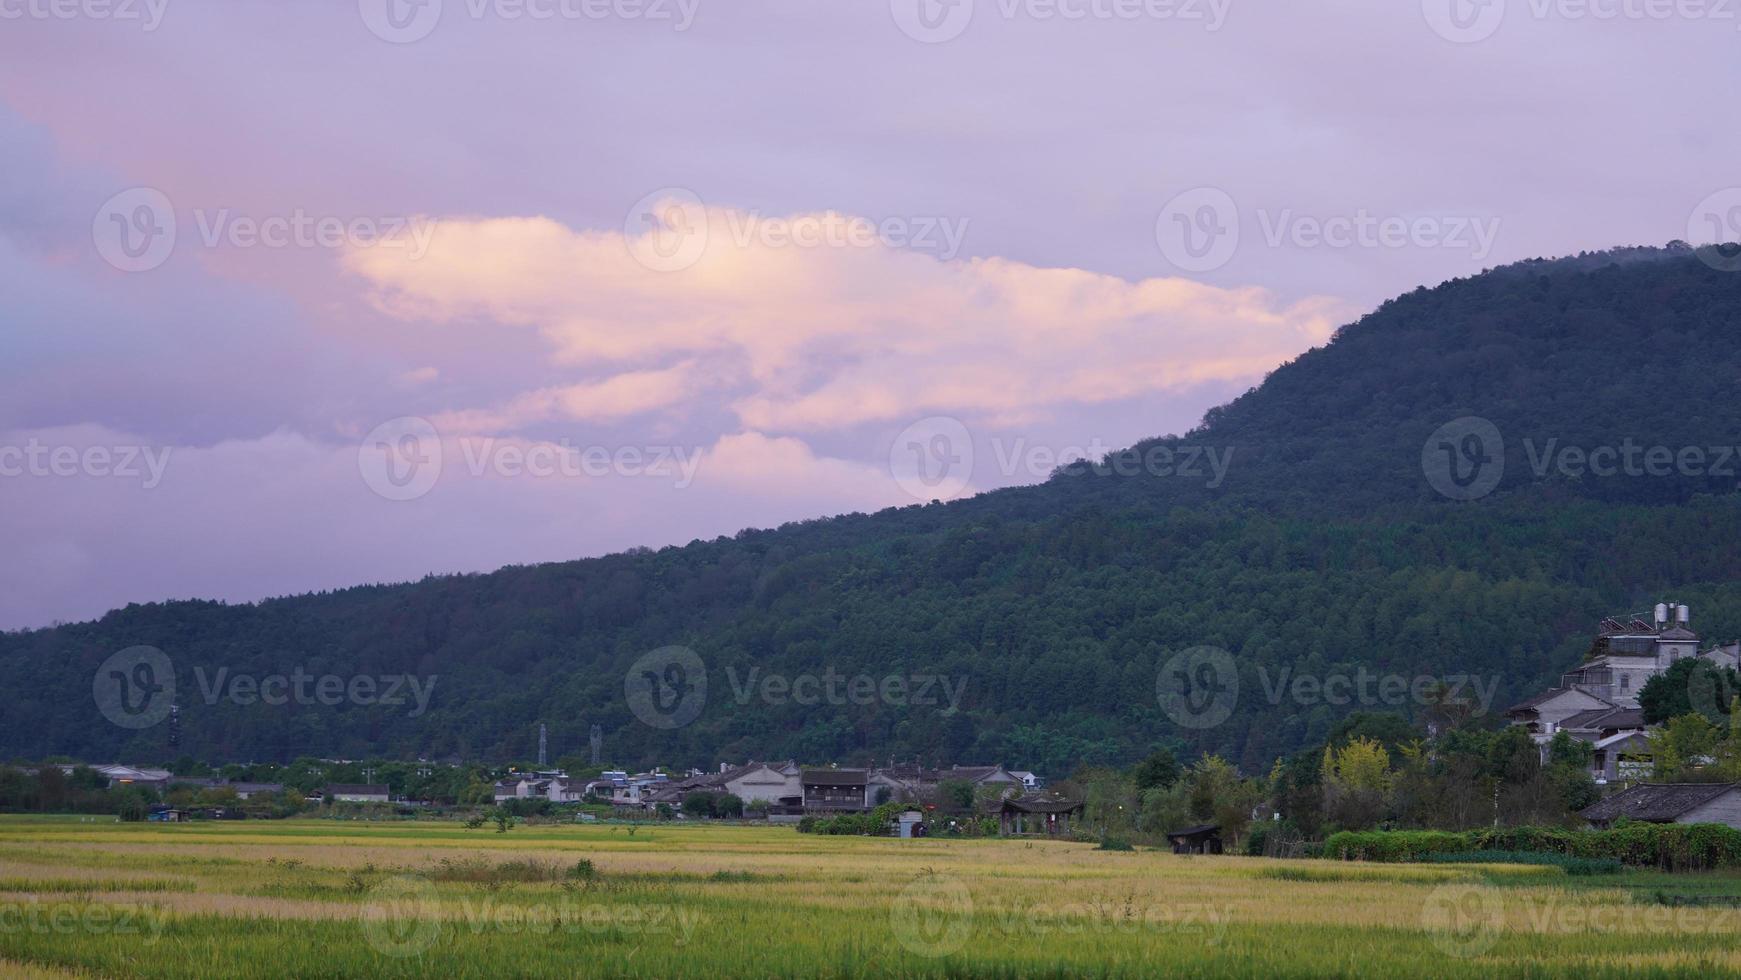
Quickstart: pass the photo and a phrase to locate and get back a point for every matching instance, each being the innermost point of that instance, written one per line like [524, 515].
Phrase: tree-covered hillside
[1048, 611]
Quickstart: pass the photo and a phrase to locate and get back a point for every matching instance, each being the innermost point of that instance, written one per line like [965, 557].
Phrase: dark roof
[1657, 802]
[835, 777]
[1602, 718]
[1197, 831]
[1041, 804]
[357, 789]
[1550, 694]
[974, 773]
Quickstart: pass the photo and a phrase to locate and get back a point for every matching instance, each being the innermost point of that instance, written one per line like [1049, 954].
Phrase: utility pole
[543, 746]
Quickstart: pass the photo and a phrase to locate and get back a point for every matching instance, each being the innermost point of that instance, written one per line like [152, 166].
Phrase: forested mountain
[1328, 549]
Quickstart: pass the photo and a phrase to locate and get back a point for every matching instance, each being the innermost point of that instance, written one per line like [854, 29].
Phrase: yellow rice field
[333, 898]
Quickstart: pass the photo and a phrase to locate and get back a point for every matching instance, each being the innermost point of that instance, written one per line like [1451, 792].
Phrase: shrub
[1672, 847]
[1392, 845]
[1109, 843]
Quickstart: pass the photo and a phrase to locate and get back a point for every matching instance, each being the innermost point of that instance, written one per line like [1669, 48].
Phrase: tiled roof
[1041, 804]
[1550, 694]
[835, 777]
[1597, 719]
[1658, 802]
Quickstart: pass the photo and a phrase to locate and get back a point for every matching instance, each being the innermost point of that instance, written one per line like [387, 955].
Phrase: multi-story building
[1598, 701]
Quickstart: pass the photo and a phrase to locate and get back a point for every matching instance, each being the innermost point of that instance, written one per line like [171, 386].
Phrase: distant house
[918, 784]
[1544, 713]
[778, 784]
[1623, 657]
[358, 793]
[117, 775]
[1671, 803]
[243, 791]
[1037, 815]
[836, 790]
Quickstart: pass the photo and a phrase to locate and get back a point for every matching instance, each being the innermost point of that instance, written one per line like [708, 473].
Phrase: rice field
[321, 898]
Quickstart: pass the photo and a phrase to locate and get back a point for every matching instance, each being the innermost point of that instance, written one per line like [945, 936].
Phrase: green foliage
[1693, 686]
[955, 793]
[1393, 845]
[704, 803]
[1158, 771]
[1672, 847]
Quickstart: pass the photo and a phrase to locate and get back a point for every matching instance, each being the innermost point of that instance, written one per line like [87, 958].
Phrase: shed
[1203, 839]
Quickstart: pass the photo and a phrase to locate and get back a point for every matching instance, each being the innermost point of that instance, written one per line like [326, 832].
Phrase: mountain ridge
[1326, 550]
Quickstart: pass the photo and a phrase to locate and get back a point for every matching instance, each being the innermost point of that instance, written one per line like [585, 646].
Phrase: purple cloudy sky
[298, 295]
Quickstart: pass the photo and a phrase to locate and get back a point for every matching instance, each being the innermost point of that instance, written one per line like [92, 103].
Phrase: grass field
[329, 898]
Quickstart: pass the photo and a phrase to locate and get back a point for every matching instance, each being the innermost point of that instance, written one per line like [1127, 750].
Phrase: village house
[917, 784]
[777, 784]
[118, 775]
[1597, 702]
[1671, 803]
[836, 790]
[357, 793]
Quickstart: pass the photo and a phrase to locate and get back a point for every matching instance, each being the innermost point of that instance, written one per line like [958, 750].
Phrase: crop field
[334, 898]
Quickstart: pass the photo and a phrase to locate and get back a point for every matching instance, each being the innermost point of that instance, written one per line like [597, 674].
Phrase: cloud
[831, 335]
[615, 398]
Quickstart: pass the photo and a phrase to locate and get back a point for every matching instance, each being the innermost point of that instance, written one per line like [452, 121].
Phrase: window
[1626, 682]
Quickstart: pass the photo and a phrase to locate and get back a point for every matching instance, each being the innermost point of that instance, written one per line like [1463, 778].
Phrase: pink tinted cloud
[831, 335]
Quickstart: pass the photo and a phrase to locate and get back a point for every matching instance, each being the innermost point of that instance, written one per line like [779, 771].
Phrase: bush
[1109, 843]
[1672, 847]
[1392, 845]
[1256, 841]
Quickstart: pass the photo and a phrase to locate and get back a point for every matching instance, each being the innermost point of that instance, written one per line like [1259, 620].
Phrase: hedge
[1672, 847]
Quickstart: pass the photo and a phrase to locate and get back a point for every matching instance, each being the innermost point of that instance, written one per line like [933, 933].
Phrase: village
[1595, 713]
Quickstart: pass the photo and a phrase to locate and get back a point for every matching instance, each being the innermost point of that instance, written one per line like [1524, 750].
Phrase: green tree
[1693, 685]
[1158, 771]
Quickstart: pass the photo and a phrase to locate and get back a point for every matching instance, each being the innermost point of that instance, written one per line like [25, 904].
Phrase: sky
[302, 295]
